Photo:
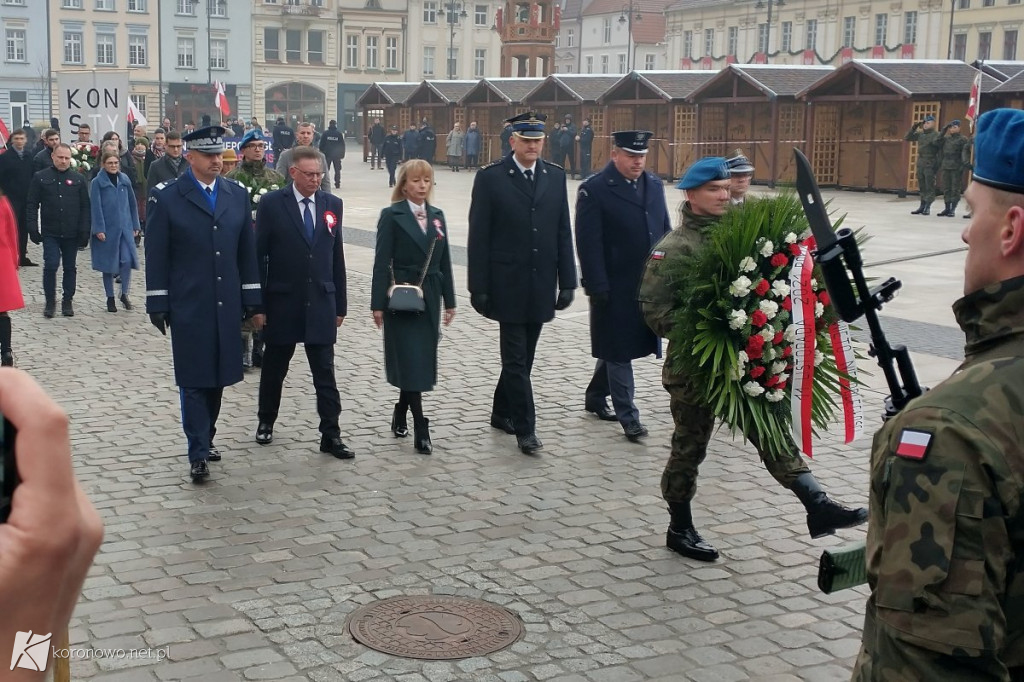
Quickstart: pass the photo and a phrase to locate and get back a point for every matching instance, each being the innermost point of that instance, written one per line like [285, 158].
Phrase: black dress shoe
[529, 443]
[49, 309]
[214, 453]
[26, 263]
[634, 431]
[7, 359]
[335, 447]
[503, 424]
[688, 542]
[126, 302]
[421, 436]
[66, 309]
[111, 306]
[264, 433]
[199, 471]
[399, 425]
[602, 411]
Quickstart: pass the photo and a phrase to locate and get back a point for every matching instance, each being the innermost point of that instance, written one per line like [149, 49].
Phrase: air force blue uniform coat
[520, 241]
[201, 270]
[303, 282]
[616, 228]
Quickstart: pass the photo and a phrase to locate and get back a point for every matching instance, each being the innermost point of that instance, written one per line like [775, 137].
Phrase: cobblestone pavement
[252, 575]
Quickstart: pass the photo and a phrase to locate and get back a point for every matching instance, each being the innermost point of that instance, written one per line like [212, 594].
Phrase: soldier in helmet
[945, 545]
[707, 199]
[929, 142]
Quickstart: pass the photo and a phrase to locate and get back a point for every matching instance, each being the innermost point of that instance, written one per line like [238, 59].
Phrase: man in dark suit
[519, 255]
[171, 166]
[44, 157]
[201, 279]
[15, 177]
[620, 215]
[302, 267]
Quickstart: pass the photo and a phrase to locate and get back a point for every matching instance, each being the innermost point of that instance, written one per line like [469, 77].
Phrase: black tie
[209, 191]
[529, 174]
[633, 185]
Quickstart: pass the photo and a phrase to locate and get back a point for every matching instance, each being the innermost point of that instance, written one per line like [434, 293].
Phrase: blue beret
[251, 136]
[929, 118]
[707, 169]
[954, 122]
[999, 150]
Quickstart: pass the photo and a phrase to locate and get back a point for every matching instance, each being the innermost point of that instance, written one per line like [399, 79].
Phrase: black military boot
[824, 516]
[952, 209]
[946, 212]
[921, 210]
[682, 537]
[926, 208]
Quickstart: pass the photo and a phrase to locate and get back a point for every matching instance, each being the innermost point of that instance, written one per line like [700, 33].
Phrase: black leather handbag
[408, 298]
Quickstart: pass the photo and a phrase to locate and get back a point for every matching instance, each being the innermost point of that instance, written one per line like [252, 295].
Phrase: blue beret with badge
[529, 125]
[708, 169]
[251, 136]
[209, 140]
[633, 141]
[999, 150]
[929, 117]
[954, 122]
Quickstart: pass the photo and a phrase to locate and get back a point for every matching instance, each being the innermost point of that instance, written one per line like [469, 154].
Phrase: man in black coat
[586, 139]
[427, 143]
[171, 166]
[332, 145]
[15, 177]
[302, 262]
[620, 215]
[521, 265]
[410, 142]
[63, 196]
[283, 137]
[201, 279]
[506, 136]
[568, 147]
[392, 150]
[44, 157]
[375, 136]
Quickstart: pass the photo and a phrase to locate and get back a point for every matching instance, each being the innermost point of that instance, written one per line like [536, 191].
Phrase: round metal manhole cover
[434, 628]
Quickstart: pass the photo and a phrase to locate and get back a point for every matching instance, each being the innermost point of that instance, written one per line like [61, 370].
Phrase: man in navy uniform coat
[201, 277]
[620, 215]
[302, 267]
[521, 265]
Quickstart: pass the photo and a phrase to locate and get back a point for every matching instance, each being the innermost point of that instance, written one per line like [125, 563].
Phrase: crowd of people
[946, 535]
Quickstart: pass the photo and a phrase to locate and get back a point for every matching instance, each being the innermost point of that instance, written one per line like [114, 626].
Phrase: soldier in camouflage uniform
[929, 141]
[945, 546]
[707, 191]
[254, 173]
[951, 166]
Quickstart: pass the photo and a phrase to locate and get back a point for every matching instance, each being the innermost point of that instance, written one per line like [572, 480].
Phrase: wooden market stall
[490, 102]
[657, 101]
[1001, 70]
[860, 113]
[438, 103]
[753, 107]
[385, 101]
[575, 94]
[1009, 94]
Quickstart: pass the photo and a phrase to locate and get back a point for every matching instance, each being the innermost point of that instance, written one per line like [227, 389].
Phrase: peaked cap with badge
[739, 163]
[632, 141]
[209, 140]
[528, 125]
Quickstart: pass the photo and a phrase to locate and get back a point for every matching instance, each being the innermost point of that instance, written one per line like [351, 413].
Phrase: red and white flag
[134, 115]
[913, 444]
[221, 99]
[975, 101]
[5, 134]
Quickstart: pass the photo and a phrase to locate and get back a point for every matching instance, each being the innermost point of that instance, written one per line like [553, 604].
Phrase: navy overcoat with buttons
[201, 270]
[303, 282]
[616, 228]
[519, 250]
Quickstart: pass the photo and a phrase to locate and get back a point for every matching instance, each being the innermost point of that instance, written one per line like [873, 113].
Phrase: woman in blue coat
[115, 224]
[410, 229]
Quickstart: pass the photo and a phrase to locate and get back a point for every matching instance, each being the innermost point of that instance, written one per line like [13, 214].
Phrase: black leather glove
[83, 241]
[161, 321]
[35, 237]
[248, 311]
[598, 300]
[564, 299]
[480, 303]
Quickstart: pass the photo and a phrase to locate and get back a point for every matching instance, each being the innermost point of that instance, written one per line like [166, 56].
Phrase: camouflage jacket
[929, 142]
[953, 152]
[945, 545]
[257, 175]
[658, 295]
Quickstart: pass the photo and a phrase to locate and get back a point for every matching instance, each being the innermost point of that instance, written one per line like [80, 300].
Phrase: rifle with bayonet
[840, 260]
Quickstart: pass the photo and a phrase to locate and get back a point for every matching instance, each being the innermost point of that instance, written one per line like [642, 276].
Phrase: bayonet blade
[814, 207]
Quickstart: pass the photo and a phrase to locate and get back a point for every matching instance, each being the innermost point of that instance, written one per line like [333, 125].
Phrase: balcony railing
[302, 10]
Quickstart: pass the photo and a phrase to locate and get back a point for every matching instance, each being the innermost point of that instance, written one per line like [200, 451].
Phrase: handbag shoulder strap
[426, 263]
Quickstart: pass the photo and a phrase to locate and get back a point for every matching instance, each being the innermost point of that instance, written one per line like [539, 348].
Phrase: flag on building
[220, 100]
[135, 116]
[975, 100]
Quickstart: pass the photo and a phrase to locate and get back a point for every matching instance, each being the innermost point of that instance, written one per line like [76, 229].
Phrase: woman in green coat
[406, 231]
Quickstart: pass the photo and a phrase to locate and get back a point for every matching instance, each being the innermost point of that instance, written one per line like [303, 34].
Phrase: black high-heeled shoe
[399, 426]
[421, 436]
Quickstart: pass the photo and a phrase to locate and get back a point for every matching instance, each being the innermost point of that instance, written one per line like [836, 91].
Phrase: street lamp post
[626, 17]
[952, 13]
[768, 26]
[453, 15]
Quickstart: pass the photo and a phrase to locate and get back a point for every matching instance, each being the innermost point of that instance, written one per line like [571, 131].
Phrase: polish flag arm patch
[913, 444]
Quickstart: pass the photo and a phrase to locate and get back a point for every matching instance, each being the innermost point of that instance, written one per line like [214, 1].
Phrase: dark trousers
[20, 217]
[335, 161]
[392, 165]
[513, 396]
[200, 408]
[570, 153]
[472, 161]
[276, 358]
[614, 379]
[584, 164]
[59, 251]
[376, 154]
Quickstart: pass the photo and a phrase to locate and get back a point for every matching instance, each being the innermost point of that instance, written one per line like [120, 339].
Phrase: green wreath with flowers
[734, 336]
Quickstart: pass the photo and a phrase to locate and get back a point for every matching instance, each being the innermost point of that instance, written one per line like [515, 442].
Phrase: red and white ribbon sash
[846, 363]
[802, 380]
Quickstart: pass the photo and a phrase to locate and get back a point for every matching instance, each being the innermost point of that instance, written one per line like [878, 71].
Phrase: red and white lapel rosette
[439, 227]
[332, 221]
